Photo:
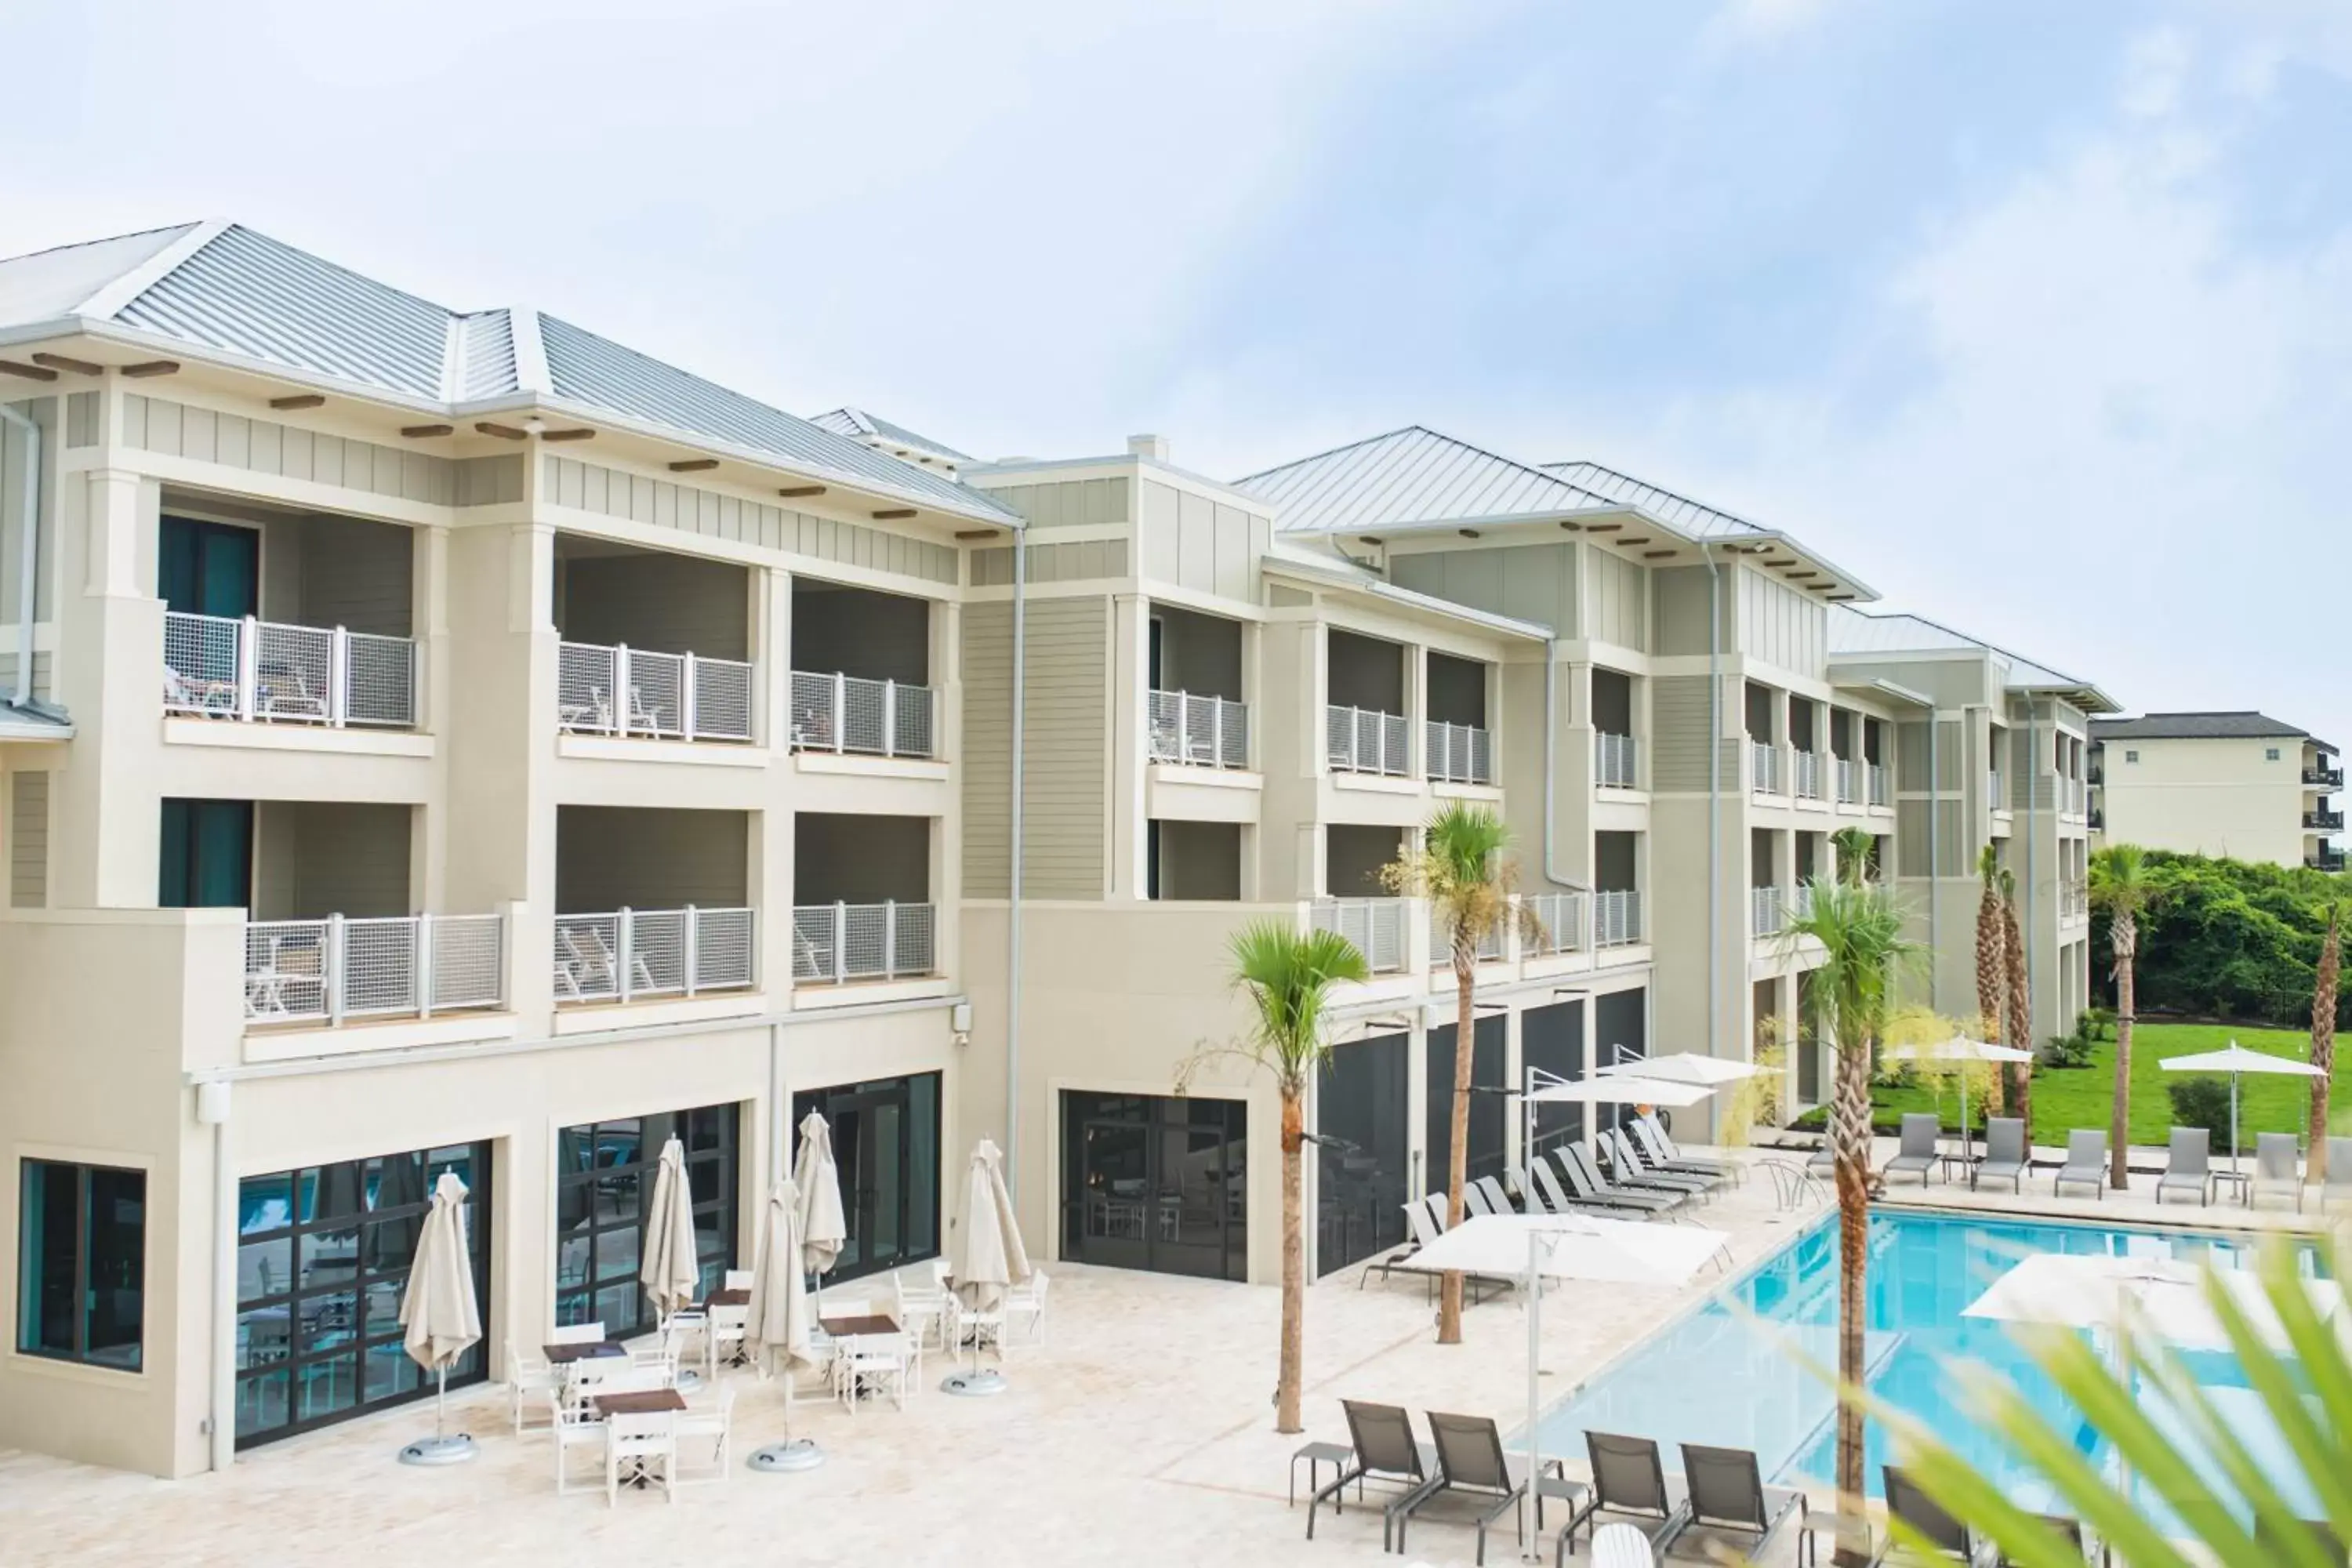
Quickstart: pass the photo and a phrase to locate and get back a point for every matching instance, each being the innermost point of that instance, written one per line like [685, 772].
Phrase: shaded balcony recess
[1366, 740]
[1364, 690]
[627, 954]
[1458, 746]
[1200, 861]
[1194, 710]
[1354, 855]
[1766, 760]
[1617, 898]
[1560, 918]
[654, 645]
[1205, 732]
[862, 906]
[273, 672]
[1613, 761]
[861, 675]
[1758, 705]
[652, 902]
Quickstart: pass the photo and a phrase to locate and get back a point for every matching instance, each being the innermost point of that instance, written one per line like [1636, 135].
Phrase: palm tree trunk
[1457, 1161]
[2125, 939]
[1852, 1135]
[2323, 1047]
[1294, 1266]
[2020, 1029]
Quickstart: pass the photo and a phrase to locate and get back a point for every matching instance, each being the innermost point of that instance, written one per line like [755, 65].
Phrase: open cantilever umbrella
[2235, 1060]
[1683, 1067]
[442, 1319]
[1960, 1048]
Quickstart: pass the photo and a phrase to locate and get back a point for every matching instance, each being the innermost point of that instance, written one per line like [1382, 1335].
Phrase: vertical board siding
[28, 841]
[1066, 716]
[43, 676]
[1529, 583]
[263, 447]
[1071, 503]
[1782, 625]
[1617, 599]
[1088, 561]
[1208, 546]
[1679, 727]
[14, 456]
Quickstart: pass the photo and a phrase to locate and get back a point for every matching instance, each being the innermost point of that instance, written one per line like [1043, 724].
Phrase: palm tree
[1852, 847]
[2019, 1026]
[2121, 885]
[1992, 964]
[1859, 930]
[2323, 1042]
[1288, 975]
[1460, 869]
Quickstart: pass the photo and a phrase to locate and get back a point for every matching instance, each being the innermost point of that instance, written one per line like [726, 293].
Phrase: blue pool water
[1735, 1372]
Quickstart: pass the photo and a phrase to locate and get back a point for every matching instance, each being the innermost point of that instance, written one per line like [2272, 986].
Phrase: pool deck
[1139, 1432]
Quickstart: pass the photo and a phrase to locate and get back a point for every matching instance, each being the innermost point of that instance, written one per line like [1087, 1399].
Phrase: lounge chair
[1471, 1463]
[1627, 1159]
[1666, 1153]
[1727, 1493]
[1424, 1221]
[1497, 1199]
[1475, 1202]
[2338, 1187]
[2086, 1163]
[2187, 1169]
[1630, 1482]
[1547, 1180]
[1531, 1198]
[1946, 1537]
[1620, 1546]
[1920, 1131]
[2277, 1171]
[1386, 1455]
[2067, 1530]
[1588, 1185]
[2005, 1156]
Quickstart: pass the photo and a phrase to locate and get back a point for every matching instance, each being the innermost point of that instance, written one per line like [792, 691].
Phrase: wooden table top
[560, 1355]
[867, 1323]
[642, 1401]
[734, 1298]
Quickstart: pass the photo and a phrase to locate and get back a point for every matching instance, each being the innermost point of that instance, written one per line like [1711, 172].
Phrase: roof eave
[1428, 603]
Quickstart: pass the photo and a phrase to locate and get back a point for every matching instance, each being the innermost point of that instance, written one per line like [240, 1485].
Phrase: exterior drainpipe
[1714, 793]
[28, 554]
[1935, 870]
[2033, 829]
[1013, 884]
[220, 1420]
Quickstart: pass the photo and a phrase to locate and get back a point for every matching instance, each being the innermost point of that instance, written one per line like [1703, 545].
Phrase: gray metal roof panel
[857, 422]
[1410, 477]
[485, 355]
[1695, 519]
[49, 284]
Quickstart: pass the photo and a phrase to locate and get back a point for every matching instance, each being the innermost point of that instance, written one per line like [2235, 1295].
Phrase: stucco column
[1131, 654]
[1416, 710]
[106, 822]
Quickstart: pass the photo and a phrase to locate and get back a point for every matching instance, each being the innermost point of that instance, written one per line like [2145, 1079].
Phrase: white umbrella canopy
[780, 1317]
[2162, 1296]
[1960, 1048]
[1620, 1090]
[439, 1311]
[824, 1227]
[2237, 1060]
[1684, 1066]
[989, 1258]
[670, 1271]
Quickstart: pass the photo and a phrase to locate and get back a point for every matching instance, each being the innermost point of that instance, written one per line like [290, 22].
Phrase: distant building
[2241, 785]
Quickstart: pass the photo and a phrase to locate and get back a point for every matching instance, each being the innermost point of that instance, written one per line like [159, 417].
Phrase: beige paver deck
[1139, 1433]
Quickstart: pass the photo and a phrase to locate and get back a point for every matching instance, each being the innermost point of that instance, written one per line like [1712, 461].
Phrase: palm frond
[1287, 975]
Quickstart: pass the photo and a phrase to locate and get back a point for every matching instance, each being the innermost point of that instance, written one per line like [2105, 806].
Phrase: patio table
[850, 1328]
[736, 1295]
[565, 1355]
[639, 1402]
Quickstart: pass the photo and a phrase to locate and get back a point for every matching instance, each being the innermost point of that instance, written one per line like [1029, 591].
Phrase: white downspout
[1713, 793]
[28, 554]
[2033, 829]
[1013, 885]
[220, 1420]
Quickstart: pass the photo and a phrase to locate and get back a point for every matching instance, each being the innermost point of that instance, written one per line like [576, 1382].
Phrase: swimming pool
[1733, 1372]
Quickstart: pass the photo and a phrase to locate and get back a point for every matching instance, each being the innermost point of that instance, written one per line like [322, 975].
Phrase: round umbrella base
[451, 1450]
[975, 1384]
[800, 1454]
[689, 1382]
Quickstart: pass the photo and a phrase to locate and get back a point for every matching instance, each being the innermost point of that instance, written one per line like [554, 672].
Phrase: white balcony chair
[641, 717]
[704, 1431]
[1026, 1302]
[585, 967]
[644, 1443]
[530, 1380]
[286, 694]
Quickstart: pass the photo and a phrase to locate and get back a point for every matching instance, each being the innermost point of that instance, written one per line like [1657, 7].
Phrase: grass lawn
[2068, 1097]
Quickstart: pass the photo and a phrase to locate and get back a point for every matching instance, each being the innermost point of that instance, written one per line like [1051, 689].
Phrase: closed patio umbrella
[778, 1326]
[441, 1317]
[1960, 1048]
[988, 1256]
[669, 1272]
[2234, 1061]
[823, 1227]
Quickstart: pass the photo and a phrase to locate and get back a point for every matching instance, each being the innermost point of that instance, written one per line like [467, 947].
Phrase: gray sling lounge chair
[2276, 1172]
[1470, 1463]
[2004, 1157]
[1666, 1153]
[1475, 1202]
[1947, 1537]
[2189, 1168]
[1728, 1494]
[1629, 1484]
[1918, 1151]
[1586, 1181]
[1630, 1163]
[2086, 1163]
[1547, 1180]
[1386, 1455]
[1497, 1199]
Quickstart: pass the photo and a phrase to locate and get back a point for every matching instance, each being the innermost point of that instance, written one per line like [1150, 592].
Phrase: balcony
[1996, 790]
[1441, 941]
[216, 666]
[626, 955]
[2322, 821]
[2097, 818]
[1376, 926]
[1765, 764]
[1766, 911]
[1361, 740]
[1879, 794]
[1617, 917]
[1560, 917]
[850, 714]
[2073, 899]
[331, 970]
[1809, 774]
[2096, 774]
[2324, 778]
[2325, 860]
[1613, 760]
[1199, 731]
[1849, 781]
[2078, 797]
[1459, 754]
[833, 944]
[632, 692]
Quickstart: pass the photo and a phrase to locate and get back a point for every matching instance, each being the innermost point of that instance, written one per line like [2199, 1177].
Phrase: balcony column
[769, 848]
[428, 620]
[771, 652]
[1416, 711]
[1130, 664]
[105, 825]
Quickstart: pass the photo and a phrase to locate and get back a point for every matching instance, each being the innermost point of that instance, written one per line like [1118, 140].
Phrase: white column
[1130, 663]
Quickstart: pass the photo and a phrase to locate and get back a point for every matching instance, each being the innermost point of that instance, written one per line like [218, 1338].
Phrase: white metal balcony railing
[1849, 781]
[835, 943]
[1441, 942]
[336, 968]
[1459, 754]
[1617, 917]
[1878, 795]
[1560, 917]
[1365, 740]
[627, 953]
[2078, 797]
[1204, 731]
[1809, 774]
[1994, 791]
[1375, 925]
[2074, 900]
[1766, 911]
[872, 718]
[1767, 766]
[624, 690]
[1613, 760]
[221, 667]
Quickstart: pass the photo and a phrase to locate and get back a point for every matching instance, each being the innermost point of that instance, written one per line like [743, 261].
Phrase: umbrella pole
[2233, 1124]
[1534, 1548]
[1964, 1114]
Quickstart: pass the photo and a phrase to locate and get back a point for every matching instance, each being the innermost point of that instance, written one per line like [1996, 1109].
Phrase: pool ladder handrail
[1793, 1186]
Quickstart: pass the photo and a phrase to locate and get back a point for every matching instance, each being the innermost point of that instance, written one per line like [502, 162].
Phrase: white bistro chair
[530, 1380]
[703, 1430]
[1025, 1302]
[645, 1443]
[724, 1336]
[872, 1363]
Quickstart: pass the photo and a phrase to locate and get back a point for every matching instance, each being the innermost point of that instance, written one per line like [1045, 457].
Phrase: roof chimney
[1154, 448]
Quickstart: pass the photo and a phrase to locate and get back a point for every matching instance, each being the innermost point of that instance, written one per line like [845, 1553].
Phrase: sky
[2038, 317]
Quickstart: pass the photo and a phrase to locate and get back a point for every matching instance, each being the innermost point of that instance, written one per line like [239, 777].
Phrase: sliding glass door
[885, 1146]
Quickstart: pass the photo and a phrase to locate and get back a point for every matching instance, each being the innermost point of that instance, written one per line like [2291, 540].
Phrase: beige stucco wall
[2208, 797]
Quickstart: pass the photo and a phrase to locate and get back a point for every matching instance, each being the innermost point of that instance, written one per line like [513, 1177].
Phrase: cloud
[1769, 18]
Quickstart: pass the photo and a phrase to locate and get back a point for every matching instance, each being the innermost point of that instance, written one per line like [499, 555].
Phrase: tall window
[82, 1263]
[885, 1147]
[207, 855]
[322, 1258]
[604, 1186]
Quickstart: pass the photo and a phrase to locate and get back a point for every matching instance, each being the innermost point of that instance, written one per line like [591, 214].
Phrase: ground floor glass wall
[1359, 1173]
[1488, 1111]
[886, 1147]
[604, 1185]
[1552, 1038]
[323, 1258]
[1156, 1181]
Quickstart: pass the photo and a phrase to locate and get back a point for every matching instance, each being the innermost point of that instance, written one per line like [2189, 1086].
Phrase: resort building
[2241, 785]
[1995, 750]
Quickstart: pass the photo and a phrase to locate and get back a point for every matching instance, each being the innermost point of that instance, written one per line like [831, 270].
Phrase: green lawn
[2068, 1097]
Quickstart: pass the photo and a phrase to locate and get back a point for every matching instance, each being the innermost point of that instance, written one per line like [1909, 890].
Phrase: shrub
[2202, 1102]
[2067, 1051]
[2096, 1023]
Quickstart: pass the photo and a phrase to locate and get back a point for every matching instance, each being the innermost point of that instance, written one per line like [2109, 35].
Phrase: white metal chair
[531, 1379]
[872, 1363]
[577, 1334]
[723, 1339]
[703, 1437]
[645, 1441]
[924, 1311]
[737, 1280]
[571, 1426]
[1621, 1546]
[1026, 1302]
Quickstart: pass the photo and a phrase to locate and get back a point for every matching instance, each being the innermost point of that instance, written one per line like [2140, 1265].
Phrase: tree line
[2227, 939]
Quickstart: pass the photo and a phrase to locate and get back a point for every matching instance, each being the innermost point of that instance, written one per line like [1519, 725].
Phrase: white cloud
[1769, 18]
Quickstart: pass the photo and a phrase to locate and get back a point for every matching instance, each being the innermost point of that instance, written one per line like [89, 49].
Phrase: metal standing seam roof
[1693, 518]
[2238, 725]
[847, 421]
[1409, 477]
[1860, 634]
[242, 295]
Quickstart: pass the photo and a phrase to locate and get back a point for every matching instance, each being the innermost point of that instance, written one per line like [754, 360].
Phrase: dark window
[1620, 1033]
[82, 1263]
[885, 1147]
[208, 568]
[1360, 1165]
[322, 1259]
[604, 1183]
[1487, 1111]
[1156, 1181]
[207, 855]
[1552, 1038]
